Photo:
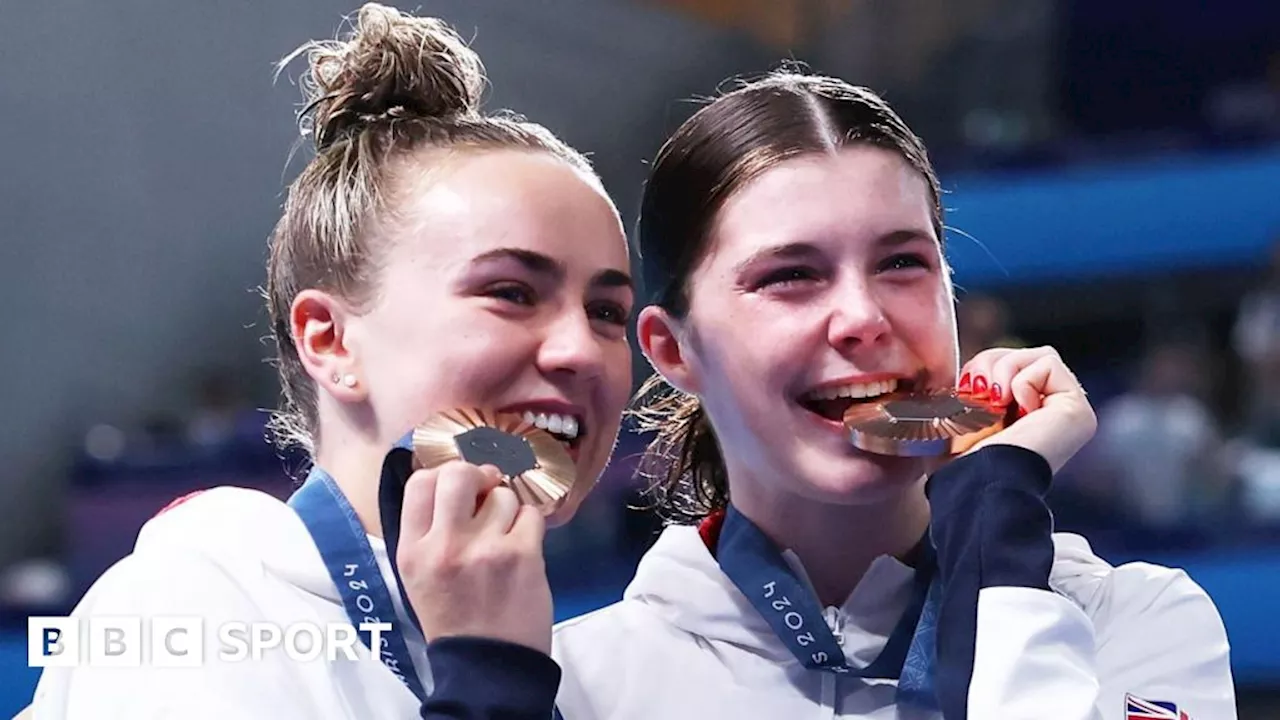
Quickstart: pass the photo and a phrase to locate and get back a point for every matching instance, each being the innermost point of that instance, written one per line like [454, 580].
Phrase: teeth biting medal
[923, 424]
[532, 461]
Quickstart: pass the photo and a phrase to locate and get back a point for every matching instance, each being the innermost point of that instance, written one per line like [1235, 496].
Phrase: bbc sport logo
[182, 642]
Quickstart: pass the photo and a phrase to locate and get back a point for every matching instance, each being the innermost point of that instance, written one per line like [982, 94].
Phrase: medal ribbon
[756, 566]
[344, 546]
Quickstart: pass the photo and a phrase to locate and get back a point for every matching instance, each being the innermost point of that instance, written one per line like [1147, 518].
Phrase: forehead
[450, 209]
[859, 193]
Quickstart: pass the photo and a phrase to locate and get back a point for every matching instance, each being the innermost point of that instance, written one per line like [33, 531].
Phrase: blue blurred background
[1114, 189]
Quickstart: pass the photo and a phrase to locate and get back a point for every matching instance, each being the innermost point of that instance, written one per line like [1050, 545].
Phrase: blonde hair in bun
[394, 85]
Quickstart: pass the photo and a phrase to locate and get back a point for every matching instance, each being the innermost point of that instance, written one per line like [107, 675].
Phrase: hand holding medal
[923, 424]
[998, 387]
[472, 521]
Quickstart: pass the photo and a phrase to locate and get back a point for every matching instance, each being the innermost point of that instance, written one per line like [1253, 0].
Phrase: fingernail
[1022, 412]
[979, 385]
[964, 383]
[996, 395]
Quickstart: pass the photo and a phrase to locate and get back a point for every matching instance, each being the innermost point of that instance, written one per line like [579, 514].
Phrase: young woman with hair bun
[429, 257]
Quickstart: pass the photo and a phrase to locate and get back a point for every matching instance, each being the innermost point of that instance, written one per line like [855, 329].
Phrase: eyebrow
[904, 236]
[540, 264]
[613, 279]
[790, 251]
[805, 250]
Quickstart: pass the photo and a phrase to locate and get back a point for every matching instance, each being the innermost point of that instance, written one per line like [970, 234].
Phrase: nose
[857, 316]
[571, 346]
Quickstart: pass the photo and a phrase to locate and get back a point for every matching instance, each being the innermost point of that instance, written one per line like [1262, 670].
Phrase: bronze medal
[533, 463]
[923, 424]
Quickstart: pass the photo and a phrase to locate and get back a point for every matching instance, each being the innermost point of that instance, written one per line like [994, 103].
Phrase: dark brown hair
[725, 145]
[396, 84]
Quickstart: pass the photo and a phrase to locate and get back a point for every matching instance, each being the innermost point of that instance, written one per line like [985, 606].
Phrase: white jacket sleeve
[1015, 643]
[158, 584]
[1034, 650]
[1155, 639]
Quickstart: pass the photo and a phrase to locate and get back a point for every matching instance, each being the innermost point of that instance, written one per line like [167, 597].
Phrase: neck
[838, 543]
[356, 466]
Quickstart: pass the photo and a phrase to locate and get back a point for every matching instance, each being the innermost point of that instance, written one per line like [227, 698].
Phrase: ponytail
[682, 464]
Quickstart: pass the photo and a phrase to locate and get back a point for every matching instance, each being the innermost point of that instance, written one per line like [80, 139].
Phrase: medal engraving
[489, 446]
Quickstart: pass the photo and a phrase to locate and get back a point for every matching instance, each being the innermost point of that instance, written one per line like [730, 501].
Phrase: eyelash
[790, 275]
[616, 310]
[915, 260]
[607, 311]
[787, 276]
[505, 292]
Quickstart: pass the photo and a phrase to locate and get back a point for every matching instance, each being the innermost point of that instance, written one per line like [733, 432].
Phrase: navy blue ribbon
[396, 469]
[343, 544]
[756, 566]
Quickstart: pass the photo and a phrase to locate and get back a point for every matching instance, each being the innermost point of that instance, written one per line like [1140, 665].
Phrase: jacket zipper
[830, 681]
[835, 621]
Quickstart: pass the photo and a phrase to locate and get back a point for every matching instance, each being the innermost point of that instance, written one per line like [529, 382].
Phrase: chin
[585, 469]
[833, 471]
[857, 478]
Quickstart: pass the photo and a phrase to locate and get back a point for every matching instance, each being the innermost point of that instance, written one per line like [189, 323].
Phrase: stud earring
[349, 380]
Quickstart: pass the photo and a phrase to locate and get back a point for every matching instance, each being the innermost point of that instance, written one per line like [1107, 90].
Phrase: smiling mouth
[831, 403]
[568, 429]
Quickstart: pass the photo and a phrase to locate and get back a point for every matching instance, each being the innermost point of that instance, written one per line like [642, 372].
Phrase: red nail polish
[979, 385]
[1022, 412]
[996, 395]
[964, 383]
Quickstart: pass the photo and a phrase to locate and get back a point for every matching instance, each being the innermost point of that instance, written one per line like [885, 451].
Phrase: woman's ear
[662, 341]
[318, 322]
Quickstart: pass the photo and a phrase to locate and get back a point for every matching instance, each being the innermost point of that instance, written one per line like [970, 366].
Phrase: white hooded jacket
[229, 555]
[1102, 643]
[236, 555]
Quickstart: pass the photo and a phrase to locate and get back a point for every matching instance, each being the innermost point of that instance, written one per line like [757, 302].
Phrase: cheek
[421, 363]
[930, 331]
[618, 374]
[744, 359]
[936, 337]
